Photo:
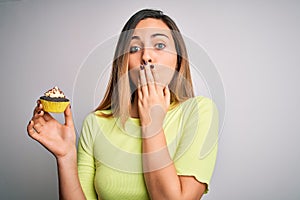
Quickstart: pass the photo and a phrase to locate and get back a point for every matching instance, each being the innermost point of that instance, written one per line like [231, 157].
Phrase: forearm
[69, 185]
[159, 171]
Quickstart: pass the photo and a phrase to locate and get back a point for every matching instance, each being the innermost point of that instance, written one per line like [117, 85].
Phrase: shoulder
[89, 120]
[100, 120]
[202, 100]
[95, 117]
[92, 125]
[199, 110]
[200, 103]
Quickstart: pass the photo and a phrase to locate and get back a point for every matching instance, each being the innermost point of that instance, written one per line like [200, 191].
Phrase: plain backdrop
[254, 46]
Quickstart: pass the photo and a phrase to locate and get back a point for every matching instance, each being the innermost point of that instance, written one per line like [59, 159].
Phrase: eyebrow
[152, 36]
[159, 34]
[135, 37]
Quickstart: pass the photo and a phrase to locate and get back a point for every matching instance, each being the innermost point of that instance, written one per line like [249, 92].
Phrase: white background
[255, 47]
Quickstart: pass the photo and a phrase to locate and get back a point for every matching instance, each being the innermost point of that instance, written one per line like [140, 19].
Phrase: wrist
[151, 131]
[68, 159]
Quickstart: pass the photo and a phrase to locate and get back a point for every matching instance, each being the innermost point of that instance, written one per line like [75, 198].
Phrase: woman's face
[152, 42]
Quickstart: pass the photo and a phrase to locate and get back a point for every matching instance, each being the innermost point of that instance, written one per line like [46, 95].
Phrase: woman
[144, 139]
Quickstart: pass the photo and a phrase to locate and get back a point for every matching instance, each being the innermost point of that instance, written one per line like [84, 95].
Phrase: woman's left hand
[153, 100]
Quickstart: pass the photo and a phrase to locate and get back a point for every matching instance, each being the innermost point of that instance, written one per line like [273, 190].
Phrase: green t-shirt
[110, 158]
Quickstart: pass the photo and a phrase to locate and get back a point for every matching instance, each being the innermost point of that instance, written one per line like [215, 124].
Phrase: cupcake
[54, 100]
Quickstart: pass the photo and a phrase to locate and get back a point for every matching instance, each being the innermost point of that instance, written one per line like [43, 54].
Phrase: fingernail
[142, 67]
[152, 66]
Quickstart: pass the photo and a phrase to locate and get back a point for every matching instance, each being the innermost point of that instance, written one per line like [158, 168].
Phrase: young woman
[144, 139]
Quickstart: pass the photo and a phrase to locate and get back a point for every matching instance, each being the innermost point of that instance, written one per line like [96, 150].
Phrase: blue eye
[134, 49]
[160, 46]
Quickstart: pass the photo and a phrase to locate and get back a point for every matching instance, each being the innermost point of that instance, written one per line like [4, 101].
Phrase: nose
[147, 56]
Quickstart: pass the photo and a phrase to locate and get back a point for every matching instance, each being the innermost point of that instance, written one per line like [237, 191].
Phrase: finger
[41, 112]
[167, 95]
[139, 89]
[37, 127]
[143, 81]
[32, 133]
[39, 117]
[38, 107]
[159, 86]
[30, 129]
[47, 117]
[68, 116]
[150, 79]
[154, 73]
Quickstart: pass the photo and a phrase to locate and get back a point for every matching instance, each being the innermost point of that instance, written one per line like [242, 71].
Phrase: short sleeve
[85, 159]
[197, 150]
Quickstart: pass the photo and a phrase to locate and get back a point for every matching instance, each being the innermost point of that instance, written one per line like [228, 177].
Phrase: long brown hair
[119, 88]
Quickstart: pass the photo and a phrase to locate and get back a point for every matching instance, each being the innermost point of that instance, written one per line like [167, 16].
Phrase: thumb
[68, 116]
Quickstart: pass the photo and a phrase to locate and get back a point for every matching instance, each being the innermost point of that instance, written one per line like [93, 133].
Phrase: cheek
[166, 68]
[134, 61]
[169, 60]
[164, 74]
[134, 67]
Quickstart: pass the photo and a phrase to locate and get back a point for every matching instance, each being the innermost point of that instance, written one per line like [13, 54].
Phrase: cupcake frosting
[55, 93]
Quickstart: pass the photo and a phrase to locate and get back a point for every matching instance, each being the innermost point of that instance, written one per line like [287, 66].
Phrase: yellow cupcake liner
[53, 106]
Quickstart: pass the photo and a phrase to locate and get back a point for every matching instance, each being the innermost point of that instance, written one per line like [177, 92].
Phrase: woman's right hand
[58, 138]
